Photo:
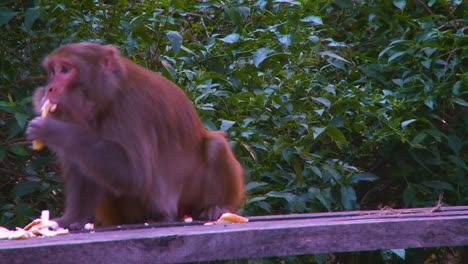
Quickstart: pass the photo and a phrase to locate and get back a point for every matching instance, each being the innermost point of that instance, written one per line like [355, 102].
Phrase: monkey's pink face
[65, 90]
[61, 73]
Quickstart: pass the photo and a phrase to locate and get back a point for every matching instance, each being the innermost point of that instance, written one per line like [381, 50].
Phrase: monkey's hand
[45, 130]
[36, 132]
[70, 223]
[46, 107]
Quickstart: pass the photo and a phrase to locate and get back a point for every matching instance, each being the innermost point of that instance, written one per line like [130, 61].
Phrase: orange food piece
[233, 218]
[37, 144]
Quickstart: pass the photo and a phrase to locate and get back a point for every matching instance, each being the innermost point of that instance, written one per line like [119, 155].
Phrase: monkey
[129, 143]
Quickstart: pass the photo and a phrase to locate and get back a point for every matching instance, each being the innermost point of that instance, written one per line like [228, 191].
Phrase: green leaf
[429, 102]
[319, 111]
[289, 197]
[404, 124]
[323, 101]
[175, 39]
[318, 131]
[321, 196]
[251, 186]
[285, 40]
[18, 150]
[22, 119]
[459, 101]
[455, 144]
[256, 199]
[436, 134]
[331, 173]
[398, 82]
[426, 64]
[348, 197]
[6, 14]
[209, 124]
[408, 196]
[297, 166]
[260, 55]
[337, 121]
[456, 88]
[32, 14]
[336, 134]
[459, 161]
[344, 3]
[313, 20]
[439, 185]
[333, 55]
[429, 51]
[419, 137]
[238, 14]
[226, 124]
[396, 55]
[231, 38]
[316, 171]
[399, 252]
[385, 51]
[365, 176]
[169, 69]
[400, 4]
[330, 88]
[291, 2]
[287, 153]
[25, 188]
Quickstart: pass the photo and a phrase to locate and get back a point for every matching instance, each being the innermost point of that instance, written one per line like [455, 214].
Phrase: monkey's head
[82, 79]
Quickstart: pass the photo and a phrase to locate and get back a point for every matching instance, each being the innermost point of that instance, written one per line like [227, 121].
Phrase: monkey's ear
[111, 60]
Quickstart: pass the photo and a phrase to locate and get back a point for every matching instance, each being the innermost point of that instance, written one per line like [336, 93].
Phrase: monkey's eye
[65, 68]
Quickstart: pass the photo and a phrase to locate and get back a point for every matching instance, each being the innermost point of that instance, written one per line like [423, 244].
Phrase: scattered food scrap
[229, 218]
[187, 219]
[41, 227]
[89, 226]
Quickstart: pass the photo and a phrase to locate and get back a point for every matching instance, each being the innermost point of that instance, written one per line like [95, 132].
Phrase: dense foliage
[329, 105]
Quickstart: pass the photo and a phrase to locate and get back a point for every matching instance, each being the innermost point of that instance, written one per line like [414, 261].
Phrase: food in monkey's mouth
[46, 108]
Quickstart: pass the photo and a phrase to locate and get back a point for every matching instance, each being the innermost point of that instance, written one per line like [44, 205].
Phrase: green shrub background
[329, 105]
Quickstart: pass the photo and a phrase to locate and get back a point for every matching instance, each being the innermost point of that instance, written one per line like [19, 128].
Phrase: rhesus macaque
[129, 142]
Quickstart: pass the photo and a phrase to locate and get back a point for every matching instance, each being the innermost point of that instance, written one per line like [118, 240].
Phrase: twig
[7, 3]
[438, 206]
[425, 7]
[453, 24]
[31, 78]
[369, 43]
[387, 210]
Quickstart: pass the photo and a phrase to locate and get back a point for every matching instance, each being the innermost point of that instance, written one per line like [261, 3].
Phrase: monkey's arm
[104, 161]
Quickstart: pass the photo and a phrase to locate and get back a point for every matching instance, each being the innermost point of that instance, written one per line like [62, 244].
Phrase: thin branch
[8, 3]
[18, 142]
[425, 7]
[369, 43]
[31, 78]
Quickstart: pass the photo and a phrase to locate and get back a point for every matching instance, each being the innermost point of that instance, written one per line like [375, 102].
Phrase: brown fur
[133, 139]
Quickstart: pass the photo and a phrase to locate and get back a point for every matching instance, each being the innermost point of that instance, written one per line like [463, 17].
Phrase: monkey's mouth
[48, 107]
[53, 107]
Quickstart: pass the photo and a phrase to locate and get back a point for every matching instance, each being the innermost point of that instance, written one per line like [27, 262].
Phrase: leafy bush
[330, 105]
